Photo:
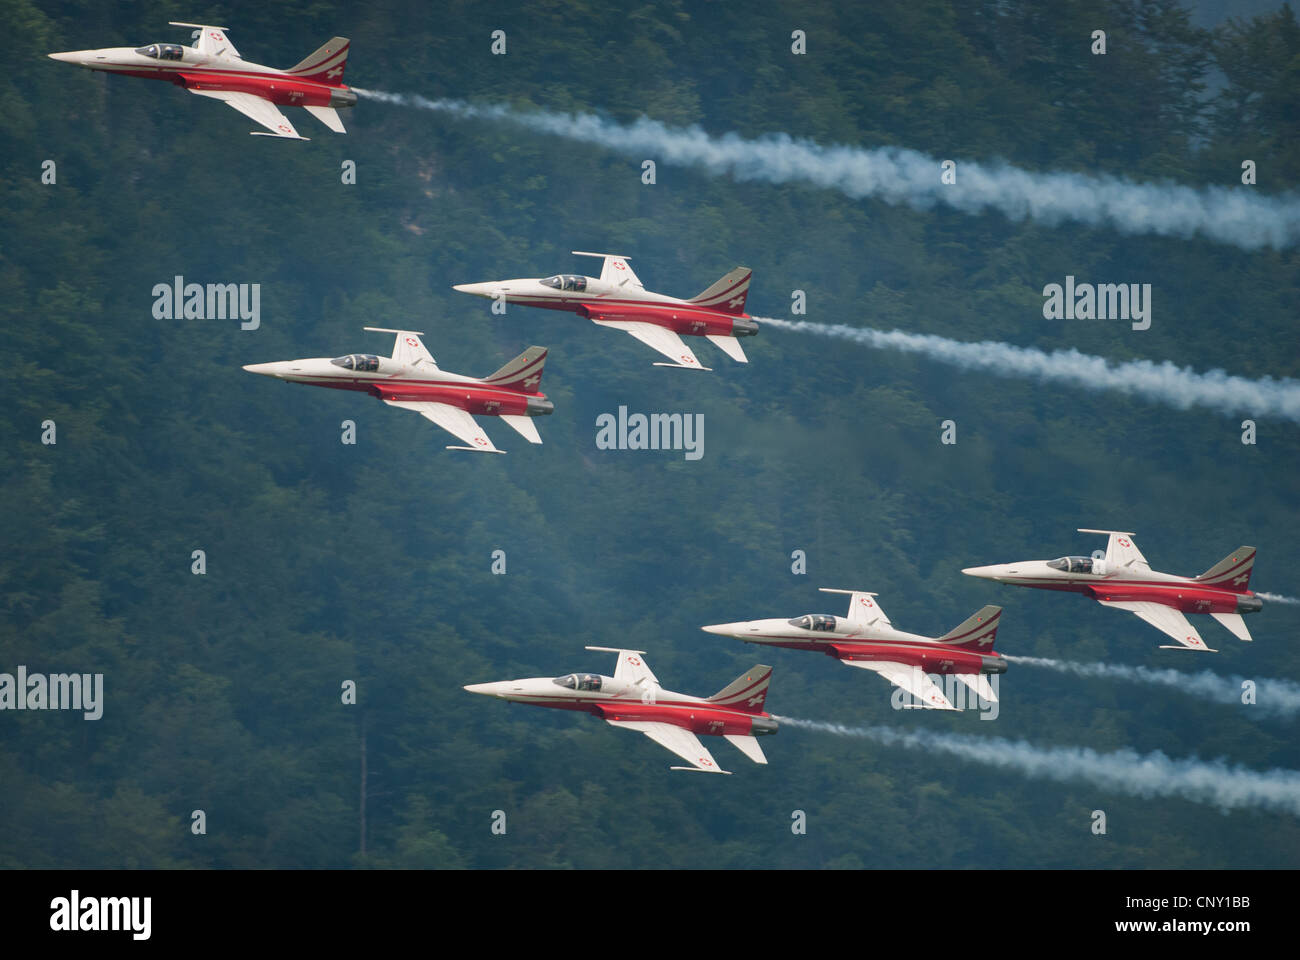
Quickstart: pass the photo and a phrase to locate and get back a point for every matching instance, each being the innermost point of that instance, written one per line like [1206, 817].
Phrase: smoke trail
[1124, 771]
[1180, 387]
[1277, 598]
[1241, 217]
[1271, 696]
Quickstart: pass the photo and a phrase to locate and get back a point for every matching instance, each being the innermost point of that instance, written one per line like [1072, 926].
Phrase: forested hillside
[372, 562]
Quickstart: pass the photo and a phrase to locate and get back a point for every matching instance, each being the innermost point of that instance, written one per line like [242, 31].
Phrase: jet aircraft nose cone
[265, 369]
[477, 289]
[484, 688]
[721, 629]
[70, 57]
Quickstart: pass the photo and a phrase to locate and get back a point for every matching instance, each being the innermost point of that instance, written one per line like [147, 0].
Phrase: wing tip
[476, 449]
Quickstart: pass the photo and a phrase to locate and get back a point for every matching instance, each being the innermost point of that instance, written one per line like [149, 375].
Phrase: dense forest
[372, 562]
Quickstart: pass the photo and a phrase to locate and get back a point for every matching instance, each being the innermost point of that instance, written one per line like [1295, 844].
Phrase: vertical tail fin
[523, 373]
[728, 294]
[326, 65]
[1232, 572]
[977, 632]
[748, 692]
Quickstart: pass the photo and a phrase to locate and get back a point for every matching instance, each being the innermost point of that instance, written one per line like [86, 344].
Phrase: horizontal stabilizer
[730, 346]
[1236, 626]
[328, 116]
[980, 684]
[747, 745]
[525, 425]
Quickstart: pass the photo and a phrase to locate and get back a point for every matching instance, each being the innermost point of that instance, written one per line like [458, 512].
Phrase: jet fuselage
[608, 699]
[194, 70]
[1143, 586]
[598, 300]
[391, 380]
[843, 640]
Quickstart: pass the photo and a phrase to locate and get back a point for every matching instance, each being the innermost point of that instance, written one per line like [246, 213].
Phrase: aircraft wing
[677, 739]
[408, 348]
[615, 270]
[452, 419]
[1121, 551]
[911, 679]
[1164, 618]
[632, 667]
[210, 41]
[259, 109]
[661, 338]
[864, 610]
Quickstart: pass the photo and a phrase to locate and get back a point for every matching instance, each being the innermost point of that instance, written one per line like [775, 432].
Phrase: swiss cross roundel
[1124, 542]
[865, 601]
[215, 36]
[619, 265]
[634, 661]
[480, 441]
[411, 341]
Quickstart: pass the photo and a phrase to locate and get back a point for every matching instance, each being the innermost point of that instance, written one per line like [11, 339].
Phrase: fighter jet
[410, 379]
[866, 638]
[632, 699]
[1125, 580]
[212, 67]
[618, 300]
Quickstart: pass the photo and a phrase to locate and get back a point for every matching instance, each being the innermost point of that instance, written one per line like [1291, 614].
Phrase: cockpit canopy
[363, 362]
[1072, 564]
[579, 681]
[815, 621]
[162, 51]
[566, 281]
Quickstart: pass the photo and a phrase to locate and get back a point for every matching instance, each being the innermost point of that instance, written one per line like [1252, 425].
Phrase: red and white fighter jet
[1123, 579]
[632, 699]
[213, 68]
[410, 379]
[616, 299]
[866, 638]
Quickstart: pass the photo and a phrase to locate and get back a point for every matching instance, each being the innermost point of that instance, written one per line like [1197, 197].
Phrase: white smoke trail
[1271, 696]
[1180, 387]
[1124, 771]
[1244, 218]
[1278, 598]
